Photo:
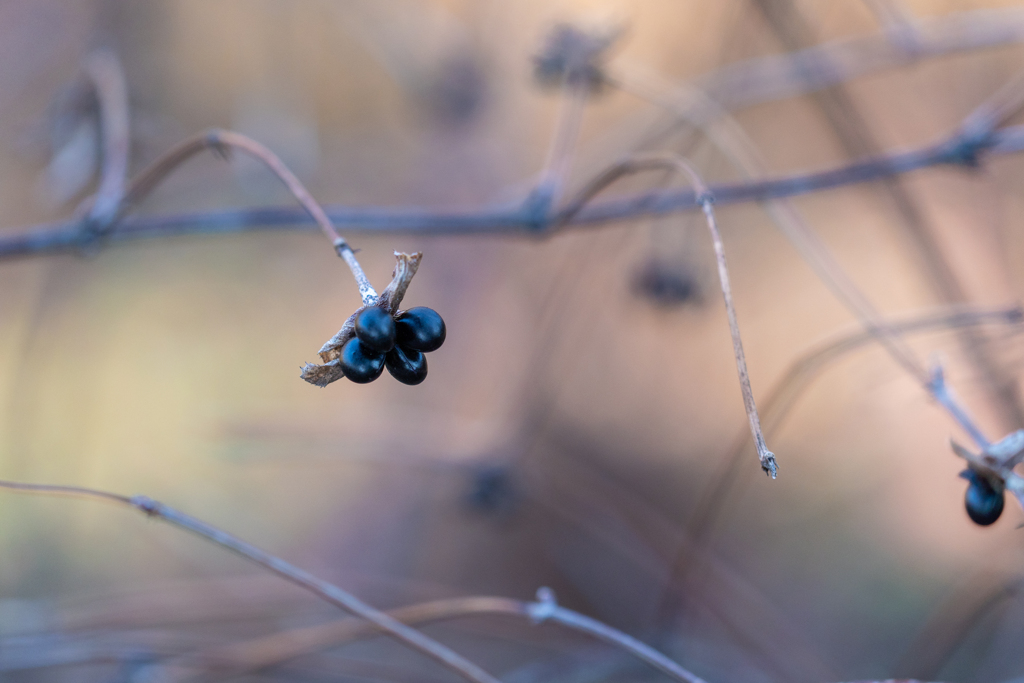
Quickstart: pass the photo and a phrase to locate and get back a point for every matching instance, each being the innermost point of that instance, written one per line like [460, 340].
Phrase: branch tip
[769, 465]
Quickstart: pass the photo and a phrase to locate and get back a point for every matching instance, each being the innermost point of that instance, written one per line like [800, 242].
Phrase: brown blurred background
[572, 426]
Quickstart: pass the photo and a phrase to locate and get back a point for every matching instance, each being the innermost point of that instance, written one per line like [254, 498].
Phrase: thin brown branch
[221, 141]
[324, 590]
[641, 163]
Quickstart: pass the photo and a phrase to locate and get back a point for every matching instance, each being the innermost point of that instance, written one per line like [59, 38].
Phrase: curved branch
[673, 162]
[322, 589]
[221, 141]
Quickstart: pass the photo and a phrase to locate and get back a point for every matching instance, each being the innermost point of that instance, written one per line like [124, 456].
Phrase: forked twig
[705, 199]
[272, 650]
[221, 141]
[324, 590]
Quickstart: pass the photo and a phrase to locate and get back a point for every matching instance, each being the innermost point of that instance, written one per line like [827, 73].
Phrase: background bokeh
[572, 428]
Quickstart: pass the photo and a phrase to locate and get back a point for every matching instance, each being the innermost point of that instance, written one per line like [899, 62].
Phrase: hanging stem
[705, 199]
[221, 142]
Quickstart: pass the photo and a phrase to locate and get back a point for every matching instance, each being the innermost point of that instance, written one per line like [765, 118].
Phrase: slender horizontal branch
[958, 149]
[272, 650]
[324, 590]
[764, 79]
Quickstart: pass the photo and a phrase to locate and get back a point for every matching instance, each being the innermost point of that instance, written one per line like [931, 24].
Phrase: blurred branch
[740, 84]
[787, 20]
[107, 79]
[571, 57]
[731, 139]
[764, 79]
[260, 653]
[326, 591]
[783, 395]
[946, 629]
[271, 650]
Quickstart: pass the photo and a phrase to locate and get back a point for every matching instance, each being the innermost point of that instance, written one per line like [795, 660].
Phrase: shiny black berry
[376, 329]
[407, 365]
[421, 329]
[984, 503]
[361, 364]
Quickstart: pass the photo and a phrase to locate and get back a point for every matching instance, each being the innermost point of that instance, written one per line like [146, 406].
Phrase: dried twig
[954, 150]
[221, 141]
[755, 81]
[326, 591]
[788, 22]
[706, 200]
[782, 396]
[260, 653]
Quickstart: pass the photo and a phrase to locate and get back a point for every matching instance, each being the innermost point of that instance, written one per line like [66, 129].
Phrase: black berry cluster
[398, 343]
[984, 501]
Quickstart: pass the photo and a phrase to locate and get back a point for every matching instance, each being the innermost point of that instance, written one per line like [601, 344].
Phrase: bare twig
[289, 572]
[706, 200]
[751, 82]
[221, 141]
[730, 138]
[788, 22]
[272, 650]
[64, 237]
[783, 395]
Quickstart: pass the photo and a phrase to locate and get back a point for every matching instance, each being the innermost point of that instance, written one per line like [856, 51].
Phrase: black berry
[407, 365]
[376, 329]
[361, 364]
[420, 329]
[984, 503]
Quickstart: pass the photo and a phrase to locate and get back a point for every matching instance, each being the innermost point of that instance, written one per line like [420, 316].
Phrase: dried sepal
[405, 270]
[390, 299]
[322, 375]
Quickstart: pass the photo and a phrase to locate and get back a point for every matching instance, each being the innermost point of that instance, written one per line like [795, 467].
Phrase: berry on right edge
[420, 329]
[983, 502]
